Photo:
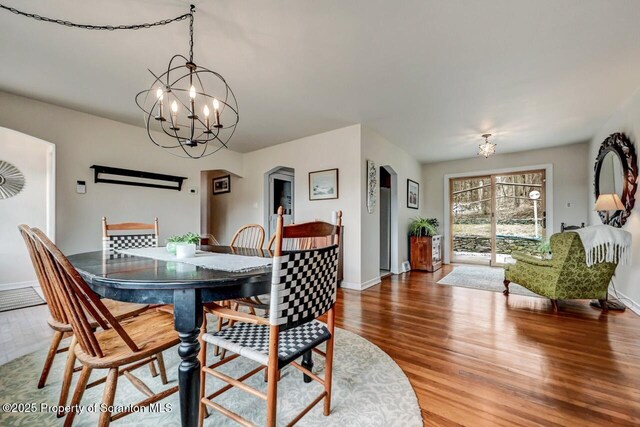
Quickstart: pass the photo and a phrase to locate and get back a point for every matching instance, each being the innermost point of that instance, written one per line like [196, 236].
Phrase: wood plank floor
[478, 358]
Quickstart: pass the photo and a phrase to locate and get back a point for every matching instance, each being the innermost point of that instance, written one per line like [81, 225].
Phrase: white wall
[82, 140]
[34, 158]
[384, 153]
[569, 181]
[335, 149]
[626, 120]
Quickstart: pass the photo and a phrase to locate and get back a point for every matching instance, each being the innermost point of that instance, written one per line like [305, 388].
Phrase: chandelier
[181, 113]
[486, 148]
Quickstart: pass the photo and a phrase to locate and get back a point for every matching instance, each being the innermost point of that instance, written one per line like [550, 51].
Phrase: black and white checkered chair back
[303, 286]
[128, 241]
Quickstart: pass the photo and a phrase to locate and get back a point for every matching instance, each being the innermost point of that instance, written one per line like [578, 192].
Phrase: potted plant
[421, 227]
[191, 240]
[424, 244]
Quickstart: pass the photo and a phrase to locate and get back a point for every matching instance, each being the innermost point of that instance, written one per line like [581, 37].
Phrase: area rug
[14, 299]
[369, 389]
[483, 278]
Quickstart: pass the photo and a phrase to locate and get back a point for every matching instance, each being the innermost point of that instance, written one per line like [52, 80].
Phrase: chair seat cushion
[252, 341]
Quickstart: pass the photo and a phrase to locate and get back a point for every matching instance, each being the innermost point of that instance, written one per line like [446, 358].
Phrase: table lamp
[608, 202]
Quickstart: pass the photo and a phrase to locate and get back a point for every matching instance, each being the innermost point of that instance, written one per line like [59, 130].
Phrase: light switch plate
[81, 187]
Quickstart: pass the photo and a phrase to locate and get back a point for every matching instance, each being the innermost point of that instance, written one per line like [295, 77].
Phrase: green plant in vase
[182, 239]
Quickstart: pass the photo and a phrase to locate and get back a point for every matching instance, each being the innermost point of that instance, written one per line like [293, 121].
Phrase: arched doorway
[33, 205]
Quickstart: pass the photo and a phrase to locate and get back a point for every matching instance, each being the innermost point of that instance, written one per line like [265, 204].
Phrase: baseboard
[18, 285]
[350, 285]
[631, 304]
[360, 286]
[370, 283]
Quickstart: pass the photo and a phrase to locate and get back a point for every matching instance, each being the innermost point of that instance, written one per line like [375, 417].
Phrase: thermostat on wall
[81, 187]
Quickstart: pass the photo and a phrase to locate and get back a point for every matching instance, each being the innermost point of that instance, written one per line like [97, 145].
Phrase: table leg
[187, 312]
[307, 362]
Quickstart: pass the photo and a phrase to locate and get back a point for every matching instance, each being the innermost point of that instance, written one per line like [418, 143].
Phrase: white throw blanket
[214, 261]
[603, 243]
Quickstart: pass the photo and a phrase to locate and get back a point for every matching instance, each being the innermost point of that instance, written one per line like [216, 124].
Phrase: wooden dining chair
[291, 244]
[59, 320]
[129, 235]
[120, 347]
[304, 287]
[248, 236]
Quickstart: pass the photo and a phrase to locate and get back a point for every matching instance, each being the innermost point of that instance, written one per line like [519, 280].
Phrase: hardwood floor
[479, 358]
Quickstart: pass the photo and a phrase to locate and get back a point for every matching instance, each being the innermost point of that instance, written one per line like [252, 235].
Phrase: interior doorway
[385, 221]
[280, 190]
[493, 215]
[27, 179]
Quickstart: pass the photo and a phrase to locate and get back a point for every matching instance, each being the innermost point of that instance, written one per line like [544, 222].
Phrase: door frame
[548, 202]
[284, 170]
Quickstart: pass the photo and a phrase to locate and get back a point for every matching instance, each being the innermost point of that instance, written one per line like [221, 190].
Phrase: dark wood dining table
[144, 280]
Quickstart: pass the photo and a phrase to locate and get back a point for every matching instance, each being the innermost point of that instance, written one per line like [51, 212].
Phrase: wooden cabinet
[426, 253]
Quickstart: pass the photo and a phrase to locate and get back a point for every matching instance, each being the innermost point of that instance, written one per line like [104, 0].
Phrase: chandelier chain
[192, 10]
[104, 27]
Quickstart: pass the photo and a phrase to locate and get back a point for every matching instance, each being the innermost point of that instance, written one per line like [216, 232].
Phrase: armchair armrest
[526, 258]
[238, 316]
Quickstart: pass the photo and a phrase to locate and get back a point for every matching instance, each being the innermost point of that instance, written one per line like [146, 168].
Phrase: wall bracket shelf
[108, 175]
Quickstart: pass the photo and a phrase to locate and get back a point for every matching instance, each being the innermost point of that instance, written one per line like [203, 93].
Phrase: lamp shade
[608, 202]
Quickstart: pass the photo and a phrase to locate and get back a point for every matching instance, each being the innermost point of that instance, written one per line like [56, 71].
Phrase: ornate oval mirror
[616, 171]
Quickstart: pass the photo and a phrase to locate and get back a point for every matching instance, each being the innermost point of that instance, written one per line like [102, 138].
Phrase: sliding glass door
[494, 215]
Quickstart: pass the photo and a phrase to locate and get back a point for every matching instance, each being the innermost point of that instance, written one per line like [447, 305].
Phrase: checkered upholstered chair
[59, 320]
[129, 235]
[304, 287]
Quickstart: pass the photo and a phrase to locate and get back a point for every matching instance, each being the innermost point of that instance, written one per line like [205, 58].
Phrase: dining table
[138, 279]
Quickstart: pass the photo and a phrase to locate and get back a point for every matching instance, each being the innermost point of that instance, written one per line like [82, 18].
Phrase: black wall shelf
[172, 182]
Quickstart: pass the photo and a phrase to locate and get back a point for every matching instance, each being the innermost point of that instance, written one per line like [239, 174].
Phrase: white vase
[185, 250]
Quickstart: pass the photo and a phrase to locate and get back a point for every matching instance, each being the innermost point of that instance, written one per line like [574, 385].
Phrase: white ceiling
[430, 76]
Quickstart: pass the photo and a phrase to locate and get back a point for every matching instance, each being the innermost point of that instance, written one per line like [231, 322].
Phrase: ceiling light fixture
[187, 131]
[486, 148]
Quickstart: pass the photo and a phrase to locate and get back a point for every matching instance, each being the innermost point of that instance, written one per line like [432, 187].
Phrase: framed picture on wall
[413, 194]
[221, 184]
[323, 185]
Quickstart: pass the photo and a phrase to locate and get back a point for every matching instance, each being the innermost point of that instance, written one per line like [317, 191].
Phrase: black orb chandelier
[181, 113]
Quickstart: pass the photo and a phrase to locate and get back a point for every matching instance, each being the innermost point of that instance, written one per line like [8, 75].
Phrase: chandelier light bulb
[174, 107]
[160, 94]
[205, 110]
[216, 104]
[192, 92]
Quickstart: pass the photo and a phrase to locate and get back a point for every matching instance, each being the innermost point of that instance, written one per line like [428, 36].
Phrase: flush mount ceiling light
[181, 113]
[486, 148]
[190, 111]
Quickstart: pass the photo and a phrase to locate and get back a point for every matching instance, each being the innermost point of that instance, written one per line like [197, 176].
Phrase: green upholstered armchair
[564, 276]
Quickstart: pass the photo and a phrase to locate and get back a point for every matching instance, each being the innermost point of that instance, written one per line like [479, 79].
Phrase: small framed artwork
[222, 184]
[413, 194]
[323, 185]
